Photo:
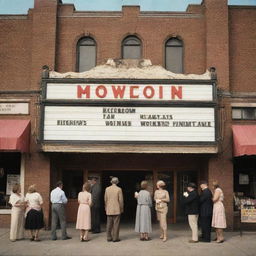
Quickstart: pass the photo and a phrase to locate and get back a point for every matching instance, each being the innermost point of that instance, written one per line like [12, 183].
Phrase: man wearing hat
[114, 206]
[95, 208]
[191, 201]
[206, 208]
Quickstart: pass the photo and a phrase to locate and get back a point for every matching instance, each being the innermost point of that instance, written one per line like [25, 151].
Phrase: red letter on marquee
[104, 91]
[132, 88]
[118, 91]
[151, 92]
[176, 92]
[81, 91]
[160, 92]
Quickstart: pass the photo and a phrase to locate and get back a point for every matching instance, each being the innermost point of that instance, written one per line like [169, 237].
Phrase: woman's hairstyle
[161, 184]
[215, 184]
[16, 188]
[87, 187]
[144, 184]
[32, 188]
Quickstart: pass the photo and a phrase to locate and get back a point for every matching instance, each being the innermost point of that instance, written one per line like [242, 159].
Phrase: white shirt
[58, 196]
[34, 200]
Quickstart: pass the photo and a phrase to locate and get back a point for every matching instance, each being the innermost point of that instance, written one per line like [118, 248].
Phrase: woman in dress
[34, 214]
[161, 198]
[17, 201]
[143, 212]
[83, 221]
[218, 217]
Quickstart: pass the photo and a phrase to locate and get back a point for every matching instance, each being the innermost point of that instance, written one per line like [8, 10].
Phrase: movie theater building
[133, 94]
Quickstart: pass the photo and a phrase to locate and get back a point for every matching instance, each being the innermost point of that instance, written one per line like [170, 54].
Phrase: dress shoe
[117, 240]
[66, 238]
[54, 239]
[109, 240]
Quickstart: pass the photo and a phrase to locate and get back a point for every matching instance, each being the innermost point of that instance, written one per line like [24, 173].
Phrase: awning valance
[14, 135]
[244, 139]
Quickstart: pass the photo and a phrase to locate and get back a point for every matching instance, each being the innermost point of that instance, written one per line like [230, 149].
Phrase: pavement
[177, 244]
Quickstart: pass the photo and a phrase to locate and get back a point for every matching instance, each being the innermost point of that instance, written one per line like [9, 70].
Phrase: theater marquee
[117, 112]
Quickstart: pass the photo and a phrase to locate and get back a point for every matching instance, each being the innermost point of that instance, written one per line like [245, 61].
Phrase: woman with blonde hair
[83, 221]
[218, 217]
[162, 198]
[34, 214]
[143, 213]
[17, 201]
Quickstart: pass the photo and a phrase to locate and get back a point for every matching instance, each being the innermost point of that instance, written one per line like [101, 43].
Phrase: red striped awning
[14, 135]
[244, 139]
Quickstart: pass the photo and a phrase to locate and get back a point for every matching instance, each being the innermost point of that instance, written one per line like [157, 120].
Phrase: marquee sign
[111, 123]
[135, 92]
[116, 113]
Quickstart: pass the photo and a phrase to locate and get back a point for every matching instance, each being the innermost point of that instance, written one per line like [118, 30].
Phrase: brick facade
[213, 34]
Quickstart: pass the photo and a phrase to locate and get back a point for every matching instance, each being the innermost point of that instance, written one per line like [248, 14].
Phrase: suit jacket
[191, 203]
[206, 204]
[96, 193]
[114, 203]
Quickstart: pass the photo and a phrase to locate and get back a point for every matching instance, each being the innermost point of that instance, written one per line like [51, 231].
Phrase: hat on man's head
[114, 180]
[191, 185]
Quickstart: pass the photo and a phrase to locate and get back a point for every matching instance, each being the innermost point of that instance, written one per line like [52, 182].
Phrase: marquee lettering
[132, 92]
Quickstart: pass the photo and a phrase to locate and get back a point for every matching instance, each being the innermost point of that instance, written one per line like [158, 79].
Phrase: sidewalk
[177, 245]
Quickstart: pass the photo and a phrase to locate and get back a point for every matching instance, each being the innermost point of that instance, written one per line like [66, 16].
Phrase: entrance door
[72, 184]
[129, 181]
[183, 178]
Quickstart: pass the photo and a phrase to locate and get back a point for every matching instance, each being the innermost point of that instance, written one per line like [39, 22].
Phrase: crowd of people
[207, 209]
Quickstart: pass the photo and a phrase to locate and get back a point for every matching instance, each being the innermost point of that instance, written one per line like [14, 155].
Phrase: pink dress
[84, 212]
[218, 216]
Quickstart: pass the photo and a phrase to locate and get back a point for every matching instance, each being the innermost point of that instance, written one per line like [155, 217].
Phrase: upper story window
[174, 55]
[131, 48]
[86, 54]
[244, 113]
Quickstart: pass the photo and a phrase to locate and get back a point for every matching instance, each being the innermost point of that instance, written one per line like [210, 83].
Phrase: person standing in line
[17, 201]
[58, 200]
[95, 209]
[218, 217]
[114, 206]
[143, 212]
[34, 214]
[191, 202]
[83, 221]
[206, 207]
[162, 198]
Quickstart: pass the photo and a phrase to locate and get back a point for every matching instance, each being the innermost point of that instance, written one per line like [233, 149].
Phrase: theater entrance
[129, 181]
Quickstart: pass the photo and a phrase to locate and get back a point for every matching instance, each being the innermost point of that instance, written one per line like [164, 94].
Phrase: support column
[38, 172]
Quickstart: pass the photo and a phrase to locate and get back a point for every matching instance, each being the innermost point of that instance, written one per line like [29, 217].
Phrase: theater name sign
[129, 112]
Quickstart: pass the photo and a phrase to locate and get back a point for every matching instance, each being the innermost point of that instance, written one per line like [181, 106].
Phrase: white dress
[218, 216]
[17, 217]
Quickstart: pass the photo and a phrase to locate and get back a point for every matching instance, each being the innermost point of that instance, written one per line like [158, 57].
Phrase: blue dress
[143, 213]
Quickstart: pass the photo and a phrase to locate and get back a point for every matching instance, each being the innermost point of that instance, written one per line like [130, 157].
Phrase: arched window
[174, 55]
[131, 48]
[86, 54]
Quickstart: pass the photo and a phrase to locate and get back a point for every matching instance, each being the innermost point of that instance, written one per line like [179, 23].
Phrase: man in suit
[114, 206]
[191, 202]
[206, 207]
[95, 209]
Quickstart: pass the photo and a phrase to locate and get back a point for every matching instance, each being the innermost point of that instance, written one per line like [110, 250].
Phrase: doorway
[129, 181]
[183, 178]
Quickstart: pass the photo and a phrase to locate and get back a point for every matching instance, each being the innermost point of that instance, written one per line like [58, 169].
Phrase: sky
[22, 6]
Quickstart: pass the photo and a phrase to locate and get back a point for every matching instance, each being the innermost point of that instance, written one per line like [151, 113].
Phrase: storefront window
[245, 182]
[9, 175]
